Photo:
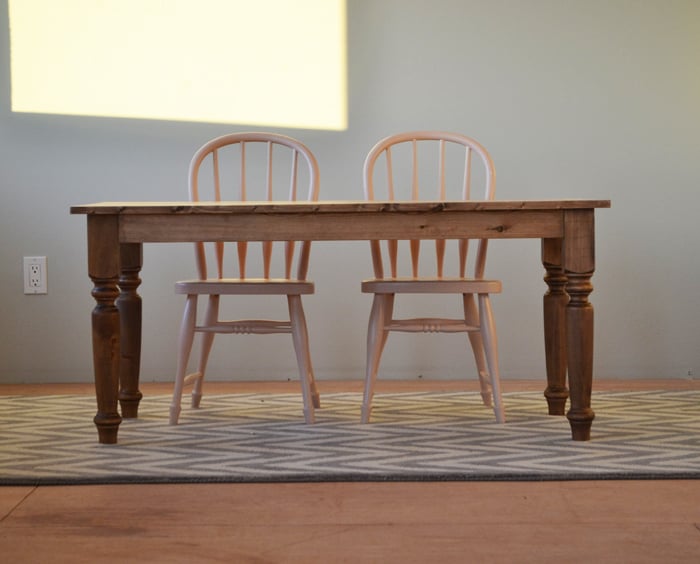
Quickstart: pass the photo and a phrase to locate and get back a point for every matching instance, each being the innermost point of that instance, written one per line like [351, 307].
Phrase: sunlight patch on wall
[263, 62]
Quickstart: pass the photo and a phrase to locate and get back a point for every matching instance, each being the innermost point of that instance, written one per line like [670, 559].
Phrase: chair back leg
[471, 317]
[212, 314]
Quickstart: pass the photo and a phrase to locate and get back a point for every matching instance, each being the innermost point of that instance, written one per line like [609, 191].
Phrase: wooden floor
[489, 522]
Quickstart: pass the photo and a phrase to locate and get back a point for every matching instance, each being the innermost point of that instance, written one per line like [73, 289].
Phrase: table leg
[103, 269]
[129, 306]
[554, 308]
[579, 265]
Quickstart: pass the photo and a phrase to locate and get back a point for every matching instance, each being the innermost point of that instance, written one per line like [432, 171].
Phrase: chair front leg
[300, 337]
[380, 315]
[184, 347]
[488, 331]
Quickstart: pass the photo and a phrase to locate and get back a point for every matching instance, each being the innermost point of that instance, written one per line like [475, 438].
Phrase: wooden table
[117, 231]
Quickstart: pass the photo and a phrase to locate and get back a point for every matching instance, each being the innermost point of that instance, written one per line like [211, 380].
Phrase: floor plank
[11, 497]
[648, 521]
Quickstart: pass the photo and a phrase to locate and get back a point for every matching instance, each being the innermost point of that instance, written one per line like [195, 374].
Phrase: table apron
[508, 224]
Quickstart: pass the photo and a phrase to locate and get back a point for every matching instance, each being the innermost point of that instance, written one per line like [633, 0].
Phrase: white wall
[597, 99]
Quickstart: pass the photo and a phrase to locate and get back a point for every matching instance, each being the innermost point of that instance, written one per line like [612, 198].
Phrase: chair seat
[430, 286]
[245, 286]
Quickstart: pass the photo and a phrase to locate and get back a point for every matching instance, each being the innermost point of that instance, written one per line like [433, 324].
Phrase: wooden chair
[435, 178]
[230, 160]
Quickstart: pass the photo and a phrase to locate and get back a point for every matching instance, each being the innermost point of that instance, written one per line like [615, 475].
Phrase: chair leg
[184, 348]
[471, 317]
[311, 380]
[300, 337]
[488, 329]
[380, 315]
[210, 318]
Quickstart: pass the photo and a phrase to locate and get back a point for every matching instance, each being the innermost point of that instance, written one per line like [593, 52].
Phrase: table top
[327, 206]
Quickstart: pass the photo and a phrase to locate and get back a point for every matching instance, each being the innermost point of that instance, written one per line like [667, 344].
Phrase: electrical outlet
[35, 275]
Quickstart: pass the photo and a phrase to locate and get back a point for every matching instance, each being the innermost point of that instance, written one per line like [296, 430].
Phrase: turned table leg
[554, 308]
[579, 264]
[129, 306]
[103, 269]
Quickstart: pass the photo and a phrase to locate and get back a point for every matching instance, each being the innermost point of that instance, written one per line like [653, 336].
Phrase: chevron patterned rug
[413, 436]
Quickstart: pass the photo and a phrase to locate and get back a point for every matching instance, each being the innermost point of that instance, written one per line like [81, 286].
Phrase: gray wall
[596, 99]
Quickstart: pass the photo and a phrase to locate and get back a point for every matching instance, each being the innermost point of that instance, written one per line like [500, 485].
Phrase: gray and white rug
[413, 436]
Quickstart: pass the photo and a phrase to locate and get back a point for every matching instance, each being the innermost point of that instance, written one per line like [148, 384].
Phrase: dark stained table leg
[554, 308]
[103, 269]
[579, 264]
[129, 305]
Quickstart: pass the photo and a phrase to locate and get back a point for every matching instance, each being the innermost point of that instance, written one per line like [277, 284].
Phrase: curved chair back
[429, 165]
[241, 167]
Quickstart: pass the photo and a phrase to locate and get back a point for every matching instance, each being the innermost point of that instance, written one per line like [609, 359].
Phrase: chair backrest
[240, 167]
[429, 165]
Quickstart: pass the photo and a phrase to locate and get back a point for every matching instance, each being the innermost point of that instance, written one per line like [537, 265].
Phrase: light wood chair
[229, 161]
[419, 166]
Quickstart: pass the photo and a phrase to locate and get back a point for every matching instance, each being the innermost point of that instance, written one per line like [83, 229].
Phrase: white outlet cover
[35, 275]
